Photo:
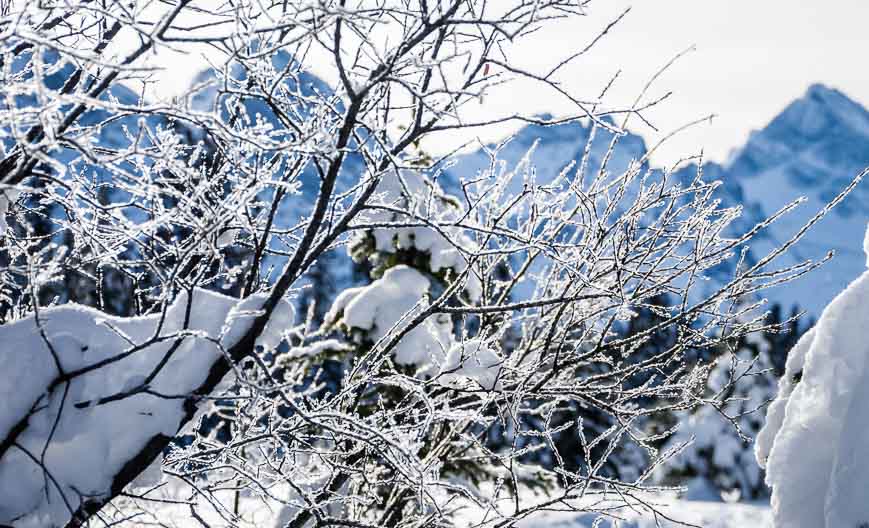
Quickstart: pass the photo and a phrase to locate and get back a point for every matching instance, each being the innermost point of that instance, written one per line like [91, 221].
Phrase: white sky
[752, 58]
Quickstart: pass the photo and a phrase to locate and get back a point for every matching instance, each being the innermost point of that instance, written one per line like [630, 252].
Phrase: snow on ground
[276, 507]
[637, 509]
[680, 513]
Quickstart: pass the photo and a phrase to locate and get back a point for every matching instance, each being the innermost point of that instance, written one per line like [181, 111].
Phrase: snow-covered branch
[267, 283]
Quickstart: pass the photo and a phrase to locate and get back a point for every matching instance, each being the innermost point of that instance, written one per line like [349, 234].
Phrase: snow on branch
[502, 327]
[84, 393]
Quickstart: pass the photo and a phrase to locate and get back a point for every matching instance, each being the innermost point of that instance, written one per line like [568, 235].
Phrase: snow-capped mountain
[813, 149]
[554, 147]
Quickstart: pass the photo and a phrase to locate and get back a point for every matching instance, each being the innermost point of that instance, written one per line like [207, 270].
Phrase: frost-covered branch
[162, 263]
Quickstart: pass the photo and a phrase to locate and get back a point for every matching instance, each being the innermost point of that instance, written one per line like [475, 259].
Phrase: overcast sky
[752, 58]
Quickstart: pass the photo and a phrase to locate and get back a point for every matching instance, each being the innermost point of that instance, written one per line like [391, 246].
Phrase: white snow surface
[447, 245]
[85, 447]
[474, 360]
[277, 505]
[679, 513]
[391, 302]
[271, 506]
[775, 413]
[818, 459]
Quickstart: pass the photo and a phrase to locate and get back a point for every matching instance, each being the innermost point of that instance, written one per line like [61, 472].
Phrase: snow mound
[678, 514]
[815, 441]
[775, 413]
[65, 438]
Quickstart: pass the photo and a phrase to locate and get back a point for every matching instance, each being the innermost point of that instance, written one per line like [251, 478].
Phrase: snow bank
[679, 514]
[775, 413]
[74, 441]
[816, 442]
[273, 503]
[170, 508]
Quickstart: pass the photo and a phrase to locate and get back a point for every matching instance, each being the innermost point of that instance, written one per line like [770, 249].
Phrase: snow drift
[815, 444]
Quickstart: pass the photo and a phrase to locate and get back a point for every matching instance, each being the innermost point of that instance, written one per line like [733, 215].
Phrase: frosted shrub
[191, 226]
[715, 439]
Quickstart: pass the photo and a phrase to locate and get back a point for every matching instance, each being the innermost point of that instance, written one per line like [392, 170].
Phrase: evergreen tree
[588, 433]
[716, 455]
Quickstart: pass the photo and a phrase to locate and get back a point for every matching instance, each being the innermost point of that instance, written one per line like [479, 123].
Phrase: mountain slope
[813, 149]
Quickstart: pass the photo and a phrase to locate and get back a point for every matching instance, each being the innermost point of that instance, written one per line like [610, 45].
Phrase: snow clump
[815, 444]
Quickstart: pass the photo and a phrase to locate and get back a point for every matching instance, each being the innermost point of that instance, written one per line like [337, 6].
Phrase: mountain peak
[824, 124]
[821, 112]
[829, 96]
[823, 103]
[822, 91]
